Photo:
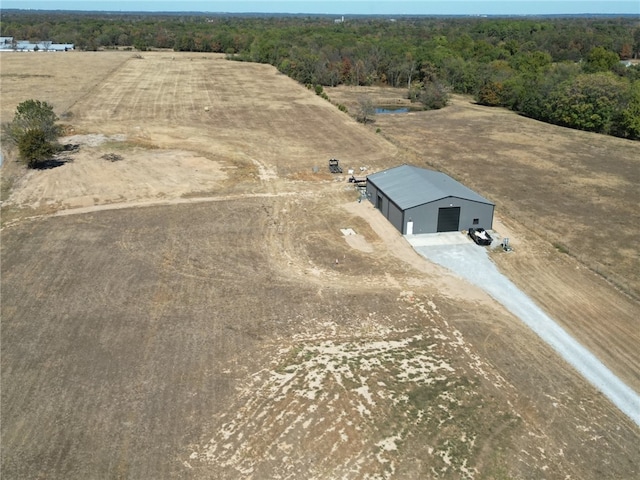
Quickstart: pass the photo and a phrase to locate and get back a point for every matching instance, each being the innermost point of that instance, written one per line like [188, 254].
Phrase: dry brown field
[180, 313]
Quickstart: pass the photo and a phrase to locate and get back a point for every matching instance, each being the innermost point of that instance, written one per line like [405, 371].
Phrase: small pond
[385, 110]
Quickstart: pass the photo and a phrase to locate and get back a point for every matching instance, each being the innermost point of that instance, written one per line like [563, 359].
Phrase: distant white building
[26, 46]
[6, 43]
[61, 47]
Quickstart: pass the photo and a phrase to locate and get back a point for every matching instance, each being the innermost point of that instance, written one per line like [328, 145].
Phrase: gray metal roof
[408, 186]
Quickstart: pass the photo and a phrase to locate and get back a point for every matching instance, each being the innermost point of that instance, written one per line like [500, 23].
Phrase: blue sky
[386, 7]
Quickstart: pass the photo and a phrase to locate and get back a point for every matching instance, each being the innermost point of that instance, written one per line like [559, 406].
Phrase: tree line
[562, 70]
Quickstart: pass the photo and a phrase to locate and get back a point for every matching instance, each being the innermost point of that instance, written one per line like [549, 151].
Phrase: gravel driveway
[472, 263]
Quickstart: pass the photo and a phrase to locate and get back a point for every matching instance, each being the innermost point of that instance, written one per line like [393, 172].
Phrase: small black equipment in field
[334, 166]
[358, 180]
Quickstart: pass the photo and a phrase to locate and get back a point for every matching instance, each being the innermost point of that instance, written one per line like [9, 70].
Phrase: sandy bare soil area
[195, 309]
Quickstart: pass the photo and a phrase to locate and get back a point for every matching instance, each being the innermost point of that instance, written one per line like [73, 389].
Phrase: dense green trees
[629, 124]
[525, 64]
[34, 148]
[599, 59]
[588, 102]
[33, 131]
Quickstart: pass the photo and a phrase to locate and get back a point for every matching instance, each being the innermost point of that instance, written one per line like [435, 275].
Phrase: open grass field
[179, 313]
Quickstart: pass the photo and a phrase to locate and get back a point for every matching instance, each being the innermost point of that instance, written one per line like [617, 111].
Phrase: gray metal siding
[481, 211]
[425, 217]
[484, 213]
[395, 217]
[378, 199]
[372, 191]
[383, 203]
[391, 212]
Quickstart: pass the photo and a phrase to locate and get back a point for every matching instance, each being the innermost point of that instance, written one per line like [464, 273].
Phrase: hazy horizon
[350, 7]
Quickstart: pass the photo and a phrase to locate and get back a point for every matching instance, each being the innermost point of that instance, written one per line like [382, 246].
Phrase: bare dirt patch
[357, 241]
[215, 336]
[88, 178]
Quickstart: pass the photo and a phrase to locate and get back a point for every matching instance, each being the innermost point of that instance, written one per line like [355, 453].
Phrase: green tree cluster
[33, 131]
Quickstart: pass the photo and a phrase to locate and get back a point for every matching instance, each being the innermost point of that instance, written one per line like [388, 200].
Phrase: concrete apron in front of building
[441, 238]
